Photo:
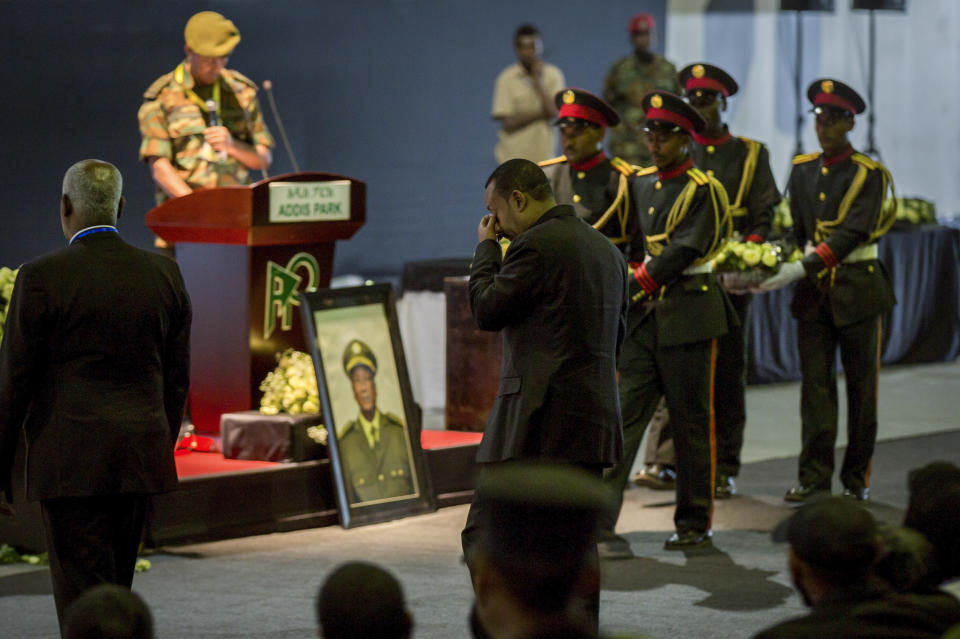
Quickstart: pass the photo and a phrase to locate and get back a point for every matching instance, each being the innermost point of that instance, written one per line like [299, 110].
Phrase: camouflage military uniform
[172, 127]
[627, 82]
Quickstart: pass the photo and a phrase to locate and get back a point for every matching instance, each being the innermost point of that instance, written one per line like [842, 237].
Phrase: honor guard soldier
[201, 124]
[678, 311]
[596, 186]
[743, 167]
[373, 448]
[842, 291]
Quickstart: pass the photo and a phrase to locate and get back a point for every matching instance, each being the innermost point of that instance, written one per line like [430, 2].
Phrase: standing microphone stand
[268, 87]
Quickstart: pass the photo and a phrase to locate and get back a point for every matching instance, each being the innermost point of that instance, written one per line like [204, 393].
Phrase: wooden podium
[245, 252]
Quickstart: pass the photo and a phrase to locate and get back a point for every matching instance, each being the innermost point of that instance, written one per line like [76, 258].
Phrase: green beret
[210, 34]
[358, 354]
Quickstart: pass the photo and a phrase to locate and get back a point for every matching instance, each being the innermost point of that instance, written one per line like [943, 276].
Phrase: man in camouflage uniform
[374, 455]
[628, 80]
[189, 145]
[597, 187]
[842, 292]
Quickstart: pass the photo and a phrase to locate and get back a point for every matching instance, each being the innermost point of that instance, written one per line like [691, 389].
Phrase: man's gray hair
[94, 189]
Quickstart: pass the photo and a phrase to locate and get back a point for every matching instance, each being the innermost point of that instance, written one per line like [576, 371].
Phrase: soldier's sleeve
[853, 231]
[674, 80]
[799, 222]
[610, 93]
[155, 138]
[503, 291]
[761, 199]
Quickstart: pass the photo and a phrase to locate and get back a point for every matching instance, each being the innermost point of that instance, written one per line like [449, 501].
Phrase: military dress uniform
[742, 165]
[598, 189]
[375, 458]
[625, 85]
[837, 208]
[174, 115]
[679, 310]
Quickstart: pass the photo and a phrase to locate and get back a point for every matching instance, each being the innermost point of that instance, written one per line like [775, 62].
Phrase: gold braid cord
[888, 214]
[621, 208]
[723, 223]
[737, 209]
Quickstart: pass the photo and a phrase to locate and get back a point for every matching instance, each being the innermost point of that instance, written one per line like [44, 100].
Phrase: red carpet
[192, 463]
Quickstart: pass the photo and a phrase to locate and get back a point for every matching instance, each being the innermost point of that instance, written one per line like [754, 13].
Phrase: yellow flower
[751, 255]
[769, 259]
[737, 249]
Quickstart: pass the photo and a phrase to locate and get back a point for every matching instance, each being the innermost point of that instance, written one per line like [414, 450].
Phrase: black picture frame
[376, 480]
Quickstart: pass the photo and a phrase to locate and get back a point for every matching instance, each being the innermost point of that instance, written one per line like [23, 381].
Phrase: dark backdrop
[395, 93]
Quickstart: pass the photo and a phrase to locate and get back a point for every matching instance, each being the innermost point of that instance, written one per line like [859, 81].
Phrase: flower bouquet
[291, 387]
[743, 265]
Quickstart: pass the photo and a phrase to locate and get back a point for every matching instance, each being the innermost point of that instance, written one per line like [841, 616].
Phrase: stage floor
[264, 585]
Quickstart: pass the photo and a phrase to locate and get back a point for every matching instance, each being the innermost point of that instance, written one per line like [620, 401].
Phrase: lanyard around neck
[180, 74]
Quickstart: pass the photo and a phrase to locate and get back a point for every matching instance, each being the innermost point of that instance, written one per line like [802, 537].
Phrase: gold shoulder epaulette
[748, 141]
[866, 161]
[698, 176]
[552, 161]
[645, 170]
[239, 77]
[154, 89]
[806, 157]
[622, 166]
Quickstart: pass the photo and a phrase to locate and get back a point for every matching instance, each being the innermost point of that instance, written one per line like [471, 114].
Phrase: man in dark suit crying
[94, 369]
[557, 295]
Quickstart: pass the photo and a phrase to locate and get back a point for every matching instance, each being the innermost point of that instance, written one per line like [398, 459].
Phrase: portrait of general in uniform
[373, 446]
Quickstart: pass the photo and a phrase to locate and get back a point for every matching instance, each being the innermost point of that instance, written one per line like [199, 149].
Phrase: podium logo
[283, 284]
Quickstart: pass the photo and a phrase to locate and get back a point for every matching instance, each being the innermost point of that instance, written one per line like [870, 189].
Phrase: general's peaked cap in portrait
[358, 354]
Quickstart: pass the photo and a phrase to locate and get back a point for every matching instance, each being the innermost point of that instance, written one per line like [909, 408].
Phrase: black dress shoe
[803, 493]
[860, 494]
[657, 477]
[725, 488]
[689, 540]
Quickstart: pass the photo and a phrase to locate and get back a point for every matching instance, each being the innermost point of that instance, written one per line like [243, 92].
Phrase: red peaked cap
[706, 76]
[837, 94]
[662, 106]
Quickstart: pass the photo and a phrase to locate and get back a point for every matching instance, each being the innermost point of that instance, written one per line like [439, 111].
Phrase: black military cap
[706, 76]
[836, 94]
[833, 533]
[577, 104]
[665, 109]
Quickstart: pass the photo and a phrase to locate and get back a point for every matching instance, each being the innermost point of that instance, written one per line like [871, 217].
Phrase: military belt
[862, 254]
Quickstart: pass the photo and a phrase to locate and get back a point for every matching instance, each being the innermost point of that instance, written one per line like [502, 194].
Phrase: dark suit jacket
[559, 299]
[94, 366]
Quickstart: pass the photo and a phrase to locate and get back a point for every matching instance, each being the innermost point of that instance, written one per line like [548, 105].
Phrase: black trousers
[684, 375]
[91, 540]
[860, 345]
[730, 382]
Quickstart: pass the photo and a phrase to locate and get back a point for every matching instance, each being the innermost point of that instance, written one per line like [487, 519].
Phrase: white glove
[789, 273]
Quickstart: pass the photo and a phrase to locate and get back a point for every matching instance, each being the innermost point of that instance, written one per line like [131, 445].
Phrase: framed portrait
[378, 465]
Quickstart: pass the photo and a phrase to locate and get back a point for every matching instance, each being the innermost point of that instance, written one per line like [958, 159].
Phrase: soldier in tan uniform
[374, 455]
[201, 123]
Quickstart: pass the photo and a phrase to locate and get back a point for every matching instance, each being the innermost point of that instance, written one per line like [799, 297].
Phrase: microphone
[214, 119]
[268, 88]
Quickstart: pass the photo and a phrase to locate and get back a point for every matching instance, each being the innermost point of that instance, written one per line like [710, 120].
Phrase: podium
[245, 253]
